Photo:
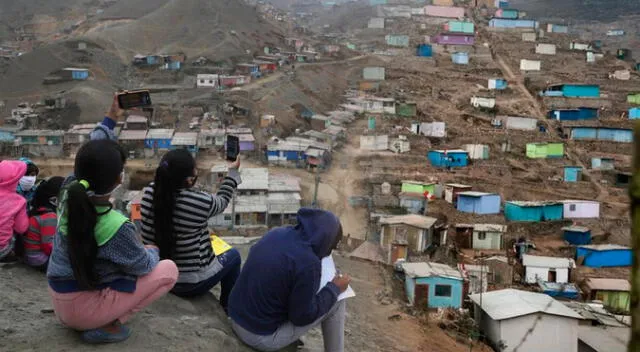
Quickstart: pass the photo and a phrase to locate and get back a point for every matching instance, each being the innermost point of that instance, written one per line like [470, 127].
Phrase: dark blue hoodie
[281, 277]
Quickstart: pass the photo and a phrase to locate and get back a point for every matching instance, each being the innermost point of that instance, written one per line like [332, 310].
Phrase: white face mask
[27, 182]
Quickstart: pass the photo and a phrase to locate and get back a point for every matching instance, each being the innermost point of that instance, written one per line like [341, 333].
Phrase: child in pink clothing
[13, 207]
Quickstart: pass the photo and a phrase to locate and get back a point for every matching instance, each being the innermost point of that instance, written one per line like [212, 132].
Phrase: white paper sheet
[328, 273]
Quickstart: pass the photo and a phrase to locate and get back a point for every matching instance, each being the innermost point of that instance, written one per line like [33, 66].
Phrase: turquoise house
[533, 211]
[433, 285]
[634, 113]
[572, 173]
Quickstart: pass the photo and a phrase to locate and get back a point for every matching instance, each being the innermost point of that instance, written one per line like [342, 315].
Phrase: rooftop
[160, 133]
[248, 204]
[419, 183]
[283, 183]
[457, 185]
[605, 247]
[547, 262]
[608, 284]
[132, 135]
[44, 133]
[523, 203]
[445, 151]
[419, 221]
[576, 229]
[185, 138]
[510, 303]
[427, 269]
[475, 194]
[283, 202]
[485, 227]
[595, 312]
[254, 179]
[601, 339]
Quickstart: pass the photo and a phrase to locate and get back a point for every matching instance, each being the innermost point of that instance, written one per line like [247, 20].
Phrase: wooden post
[634, 193]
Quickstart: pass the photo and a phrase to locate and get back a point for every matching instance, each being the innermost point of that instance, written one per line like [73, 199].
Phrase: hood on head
[11, 171]
[320, 228]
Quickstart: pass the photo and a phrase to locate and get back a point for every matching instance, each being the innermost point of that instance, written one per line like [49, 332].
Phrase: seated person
[38, 241]
[13, 208]
[278, 297]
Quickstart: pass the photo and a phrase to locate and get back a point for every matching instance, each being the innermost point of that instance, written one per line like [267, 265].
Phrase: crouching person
[278, 297]
[99, 272]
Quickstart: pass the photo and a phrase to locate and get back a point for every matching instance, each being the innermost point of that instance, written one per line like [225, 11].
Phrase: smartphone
[233, 148]
[134, 99]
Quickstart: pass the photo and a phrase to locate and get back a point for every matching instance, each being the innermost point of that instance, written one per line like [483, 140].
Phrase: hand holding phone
[134, 99]
[233, 148]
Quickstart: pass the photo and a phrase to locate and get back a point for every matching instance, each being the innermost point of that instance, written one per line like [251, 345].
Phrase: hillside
[578, 10]
[218, 29]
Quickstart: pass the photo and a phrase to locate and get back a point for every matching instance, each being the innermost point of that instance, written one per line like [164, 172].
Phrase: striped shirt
[38, 241]
[192, 253]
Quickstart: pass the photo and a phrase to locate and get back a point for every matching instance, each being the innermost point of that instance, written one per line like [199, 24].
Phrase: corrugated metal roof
[604, 247]
[239, 130]
[248, 204]
[213, 132]
[490, 228]
[283, 202]
[608, 284]
[427, 269]
[314, 152]
[254, 179]
[547, 262]
[610, 339]
[45, 133]
[283, 183]
[132, 135]
[595, 311]
[510, 303]
[185, 138]
[457, 185]
[160, 133]
[569, 201]
[576, 229]
[136, 119]
[475, 194]
[451, 151]
[246, 138]
[499, 258]
[534, 203]
[418, 182]
[419, 221]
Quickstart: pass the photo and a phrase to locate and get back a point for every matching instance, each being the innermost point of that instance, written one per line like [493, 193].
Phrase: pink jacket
[13, 207]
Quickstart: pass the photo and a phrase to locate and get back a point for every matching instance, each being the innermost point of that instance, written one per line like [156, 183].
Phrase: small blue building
[159, 138]
[603, 163]
[460, 58]
[433, 285]
[533, 211]
[7, 135]
[511, 23]
[572, 173]
[572, 91]
[566, 290]
[634, 113]
[604, 255]
[573, 114]
[424, 50]
[77, 74]
[622, 135]
[448, 158]
[577, 235]
[478, 202]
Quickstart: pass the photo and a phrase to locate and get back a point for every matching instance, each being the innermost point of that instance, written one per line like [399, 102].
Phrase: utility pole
[317, 184]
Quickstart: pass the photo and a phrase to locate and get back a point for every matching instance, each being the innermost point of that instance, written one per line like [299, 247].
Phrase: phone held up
[134, 99]
[233, 148]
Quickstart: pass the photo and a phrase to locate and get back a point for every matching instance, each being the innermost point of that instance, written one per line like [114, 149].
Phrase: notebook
[328, 273]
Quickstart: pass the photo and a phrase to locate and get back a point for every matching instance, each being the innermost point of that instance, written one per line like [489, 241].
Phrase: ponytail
[176, 166]
[81, 221]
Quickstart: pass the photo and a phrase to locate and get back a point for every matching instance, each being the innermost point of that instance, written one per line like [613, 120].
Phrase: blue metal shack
[603, 163]
[6, 136]
[604, 255]
[561, 290]
[424, 50]
[448, 158]
[603, 134]
[533, 211]
[577, 235]
[573, 114]
[509, 23]
[433, 285]
[460, 58]
[573, 91]
[159, 138]
[478, 202]
[572, 173]
[634, 113]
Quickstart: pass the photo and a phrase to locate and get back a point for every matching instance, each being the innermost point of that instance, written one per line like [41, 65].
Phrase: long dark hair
[171, 175]
[97, 168]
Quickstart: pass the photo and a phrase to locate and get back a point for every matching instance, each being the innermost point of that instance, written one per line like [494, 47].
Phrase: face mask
[27, 182]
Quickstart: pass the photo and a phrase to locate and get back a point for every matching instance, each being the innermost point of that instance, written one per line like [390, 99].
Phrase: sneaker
[115, 332]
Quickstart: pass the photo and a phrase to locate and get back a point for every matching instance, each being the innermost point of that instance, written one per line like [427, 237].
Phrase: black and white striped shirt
[193, 254]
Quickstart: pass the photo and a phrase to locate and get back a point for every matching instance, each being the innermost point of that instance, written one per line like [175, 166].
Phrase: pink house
[444, 11]
[453, 39]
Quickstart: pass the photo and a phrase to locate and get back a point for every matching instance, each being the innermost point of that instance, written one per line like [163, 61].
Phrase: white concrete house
[548, 269]
[207, 81]
[505, 317]
[580, 209]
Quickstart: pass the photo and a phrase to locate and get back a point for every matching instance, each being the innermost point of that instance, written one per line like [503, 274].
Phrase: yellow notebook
[218, 245]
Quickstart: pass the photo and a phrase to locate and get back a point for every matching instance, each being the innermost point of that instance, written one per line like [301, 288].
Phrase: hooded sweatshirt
[280, 280]
[13, 207]
[27, 194]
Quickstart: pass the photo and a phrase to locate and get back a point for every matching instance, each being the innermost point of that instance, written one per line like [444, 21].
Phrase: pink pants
[88, 310]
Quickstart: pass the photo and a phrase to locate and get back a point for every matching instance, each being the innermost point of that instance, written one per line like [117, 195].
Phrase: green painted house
[633, 98]
[613, 293]
[407, 109]
[418, 187]
[460, 27]
[545, 150]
